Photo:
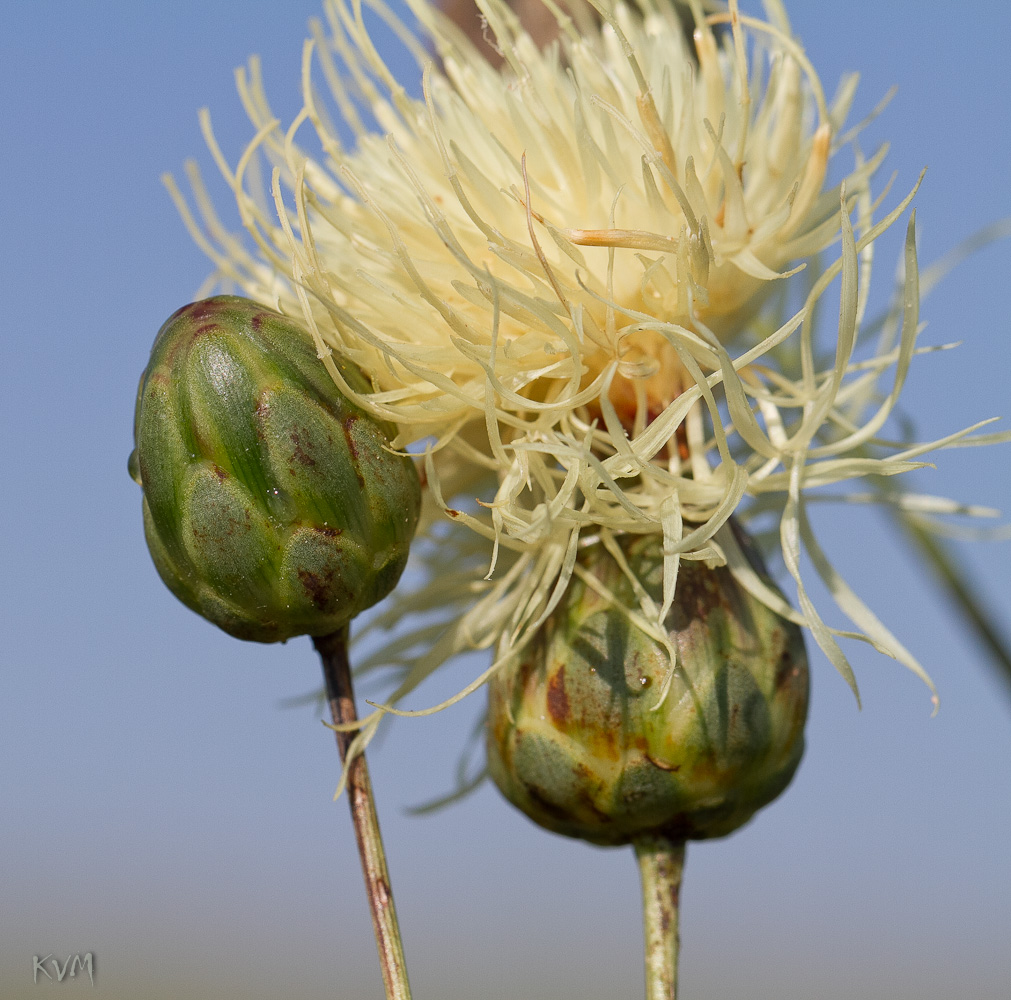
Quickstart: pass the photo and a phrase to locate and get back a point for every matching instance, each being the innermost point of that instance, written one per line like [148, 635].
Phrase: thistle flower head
[558, 275]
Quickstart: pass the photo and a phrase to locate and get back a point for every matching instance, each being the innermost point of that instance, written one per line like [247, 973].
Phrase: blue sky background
[160, 809]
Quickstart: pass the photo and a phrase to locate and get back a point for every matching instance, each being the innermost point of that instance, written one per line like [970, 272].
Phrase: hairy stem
[333, 651]
[661, 862]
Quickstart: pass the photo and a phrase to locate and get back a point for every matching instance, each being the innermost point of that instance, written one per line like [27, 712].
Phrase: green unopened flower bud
[272, 505]
[576, 739]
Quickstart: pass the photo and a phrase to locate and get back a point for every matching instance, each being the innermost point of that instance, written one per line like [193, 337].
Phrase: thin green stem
[963, 595]
[661, 862]
[333, 651]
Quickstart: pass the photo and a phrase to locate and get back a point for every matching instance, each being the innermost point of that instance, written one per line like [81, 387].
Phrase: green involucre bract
[272, 504]
[584, 738]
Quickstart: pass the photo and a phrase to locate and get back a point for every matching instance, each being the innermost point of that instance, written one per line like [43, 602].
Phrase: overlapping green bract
[272, 505]
[575, 737]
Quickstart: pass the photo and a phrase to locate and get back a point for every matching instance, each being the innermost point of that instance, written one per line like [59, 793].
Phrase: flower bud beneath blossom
[576, 740]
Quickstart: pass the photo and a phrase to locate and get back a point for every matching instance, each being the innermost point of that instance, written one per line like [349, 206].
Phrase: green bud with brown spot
[272, 504]
[581, 741]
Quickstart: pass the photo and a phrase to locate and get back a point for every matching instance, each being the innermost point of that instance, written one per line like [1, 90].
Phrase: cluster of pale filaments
[555, 275]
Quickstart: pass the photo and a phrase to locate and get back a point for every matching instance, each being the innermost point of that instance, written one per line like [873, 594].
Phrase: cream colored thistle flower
[556, 275]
